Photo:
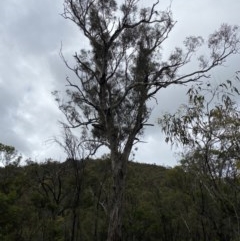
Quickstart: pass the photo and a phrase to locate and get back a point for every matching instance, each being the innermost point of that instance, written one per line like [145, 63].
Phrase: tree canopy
[121, 70]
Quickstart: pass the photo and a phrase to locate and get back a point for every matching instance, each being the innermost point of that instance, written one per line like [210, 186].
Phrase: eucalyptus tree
[120, 71]
[9, 155]
[208, 130]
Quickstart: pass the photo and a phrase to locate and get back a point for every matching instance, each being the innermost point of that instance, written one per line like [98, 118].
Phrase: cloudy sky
[31, 33]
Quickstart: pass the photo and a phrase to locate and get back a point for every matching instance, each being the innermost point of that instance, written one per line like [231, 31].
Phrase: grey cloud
[31, 33]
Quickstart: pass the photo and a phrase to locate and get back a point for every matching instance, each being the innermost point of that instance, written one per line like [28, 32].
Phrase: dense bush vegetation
[38, 202]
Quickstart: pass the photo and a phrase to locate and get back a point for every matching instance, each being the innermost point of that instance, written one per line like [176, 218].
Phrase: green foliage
[8, 155]
[208, 130]
[166, 204]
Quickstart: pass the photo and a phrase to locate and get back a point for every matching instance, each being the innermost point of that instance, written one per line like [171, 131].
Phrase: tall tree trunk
[116, 210]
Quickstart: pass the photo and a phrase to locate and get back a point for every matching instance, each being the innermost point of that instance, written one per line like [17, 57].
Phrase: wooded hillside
[69, 201]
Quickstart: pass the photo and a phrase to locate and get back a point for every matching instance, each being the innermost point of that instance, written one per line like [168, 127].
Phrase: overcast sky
[31, 33]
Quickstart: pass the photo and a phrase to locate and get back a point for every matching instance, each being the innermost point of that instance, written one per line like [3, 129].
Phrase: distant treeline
[69, 201]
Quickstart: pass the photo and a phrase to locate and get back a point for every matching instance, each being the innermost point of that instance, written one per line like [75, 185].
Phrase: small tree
[77, 159]
[208, 130]
[121, 71]
[9, 155]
